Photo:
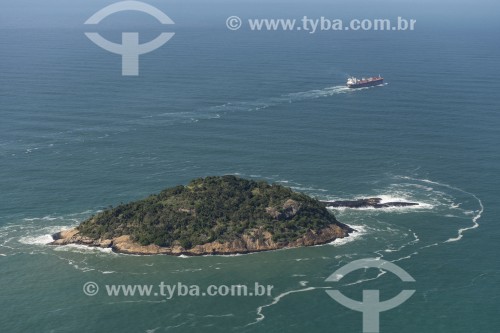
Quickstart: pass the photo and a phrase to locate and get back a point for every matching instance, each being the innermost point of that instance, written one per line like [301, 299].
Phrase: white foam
[476, 217]
[381, 272]
[392, 198]
[44, 238]
[338, 277]
[82, 249]
[36, 240]
[309, 189]
[219, 316]
[87, 212]
[407, 257]
[430, 245]
[360, 231]
[415, 240]
[425, 188]
[187, 270]
[6, 241]
[261, 317]
[474, 225]
[52, 218]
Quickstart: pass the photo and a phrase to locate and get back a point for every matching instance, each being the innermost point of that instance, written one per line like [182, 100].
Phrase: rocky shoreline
[254, 241]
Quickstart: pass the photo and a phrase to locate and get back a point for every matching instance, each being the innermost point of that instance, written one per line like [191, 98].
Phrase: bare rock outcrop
[255, 240]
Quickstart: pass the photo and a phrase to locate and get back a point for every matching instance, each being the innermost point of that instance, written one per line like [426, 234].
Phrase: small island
[212, 215]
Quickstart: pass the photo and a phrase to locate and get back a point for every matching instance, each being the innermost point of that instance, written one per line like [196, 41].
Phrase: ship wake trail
[265, 103]
[120, 126]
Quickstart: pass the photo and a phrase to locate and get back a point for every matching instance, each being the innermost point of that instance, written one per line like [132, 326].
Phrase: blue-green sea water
[76, 137]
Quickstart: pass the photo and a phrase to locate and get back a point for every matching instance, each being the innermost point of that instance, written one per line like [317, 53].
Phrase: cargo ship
[353, 82]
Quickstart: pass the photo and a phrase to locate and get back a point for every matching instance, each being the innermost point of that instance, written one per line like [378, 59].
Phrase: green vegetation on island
[212, 209]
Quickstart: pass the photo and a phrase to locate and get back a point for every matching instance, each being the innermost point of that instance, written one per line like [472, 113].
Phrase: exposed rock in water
[366, 203]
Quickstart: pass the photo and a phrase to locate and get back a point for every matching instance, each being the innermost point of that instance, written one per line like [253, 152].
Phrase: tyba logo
[371, 306]
[130, 49]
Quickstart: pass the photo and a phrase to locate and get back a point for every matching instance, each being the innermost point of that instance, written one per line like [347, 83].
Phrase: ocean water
[76, 137]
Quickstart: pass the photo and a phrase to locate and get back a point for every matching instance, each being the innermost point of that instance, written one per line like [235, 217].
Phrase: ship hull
[366, 84]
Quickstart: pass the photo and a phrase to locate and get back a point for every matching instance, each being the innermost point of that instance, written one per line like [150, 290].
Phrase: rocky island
[212, 215]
